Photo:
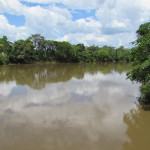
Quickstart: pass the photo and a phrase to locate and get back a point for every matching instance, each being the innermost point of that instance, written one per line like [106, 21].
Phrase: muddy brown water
[71, 107]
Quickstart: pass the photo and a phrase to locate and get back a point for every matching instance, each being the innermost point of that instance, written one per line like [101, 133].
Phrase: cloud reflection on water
[89, 111]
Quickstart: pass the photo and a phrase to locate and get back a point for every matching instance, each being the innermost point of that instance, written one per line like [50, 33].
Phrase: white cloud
[11, 6]
[87, 39]
[125, 16]
[11, 31]
[119, 19]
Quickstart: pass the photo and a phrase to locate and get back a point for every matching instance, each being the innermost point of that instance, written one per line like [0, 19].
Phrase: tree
[37, 40]
[36, 48]
[23, 51]
[122, 54]
[103, 55]
[49, 48]
[5, 50]
[65, 52]
[4, 59]
[140, 55]
[80, 52]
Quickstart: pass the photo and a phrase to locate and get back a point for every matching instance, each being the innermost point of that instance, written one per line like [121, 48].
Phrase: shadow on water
[138, 131]
[146, 107]
[37, 75]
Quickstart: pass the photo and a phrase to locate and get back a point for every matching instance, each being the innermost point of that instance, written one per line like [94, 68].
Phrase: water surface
[71, 107]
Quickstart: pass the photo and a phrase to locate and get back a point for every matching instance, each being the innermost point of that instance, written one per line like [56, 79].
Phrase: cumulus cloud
[12, 31]
[112, 18]
[124, 16]
[11, 6]
[87, 39]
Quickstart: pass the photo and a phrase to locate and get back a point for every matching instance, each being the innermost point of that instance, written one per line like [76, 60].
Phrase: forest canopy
[37, 48]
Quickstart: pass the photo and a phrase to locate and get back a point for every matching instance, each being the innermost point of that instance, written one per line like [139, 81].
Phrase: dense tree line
[37, 48]
[140, 55]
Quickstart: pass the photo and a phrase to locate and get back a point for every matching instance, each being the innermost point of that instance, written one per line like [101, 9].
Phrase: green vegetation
[37, 48]
[5, 50]
[140, 55]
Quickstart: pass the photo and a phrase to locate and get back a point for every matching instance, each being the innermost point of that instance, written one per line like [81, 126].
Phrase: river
[71, 107]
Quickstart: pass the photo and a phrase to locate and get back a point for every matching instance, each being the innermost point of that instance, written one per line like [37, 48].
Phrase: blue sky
[79, 14]
[96, 22]
[17, 20]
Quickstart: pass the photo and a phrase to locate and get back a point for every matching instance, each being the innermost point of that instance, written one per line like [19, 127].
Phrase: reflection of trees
[37, 75]
[138, 129]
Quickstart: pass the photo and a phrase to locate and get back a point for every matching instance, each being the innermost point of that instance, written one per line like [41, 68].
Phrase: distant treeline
[37, 48]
